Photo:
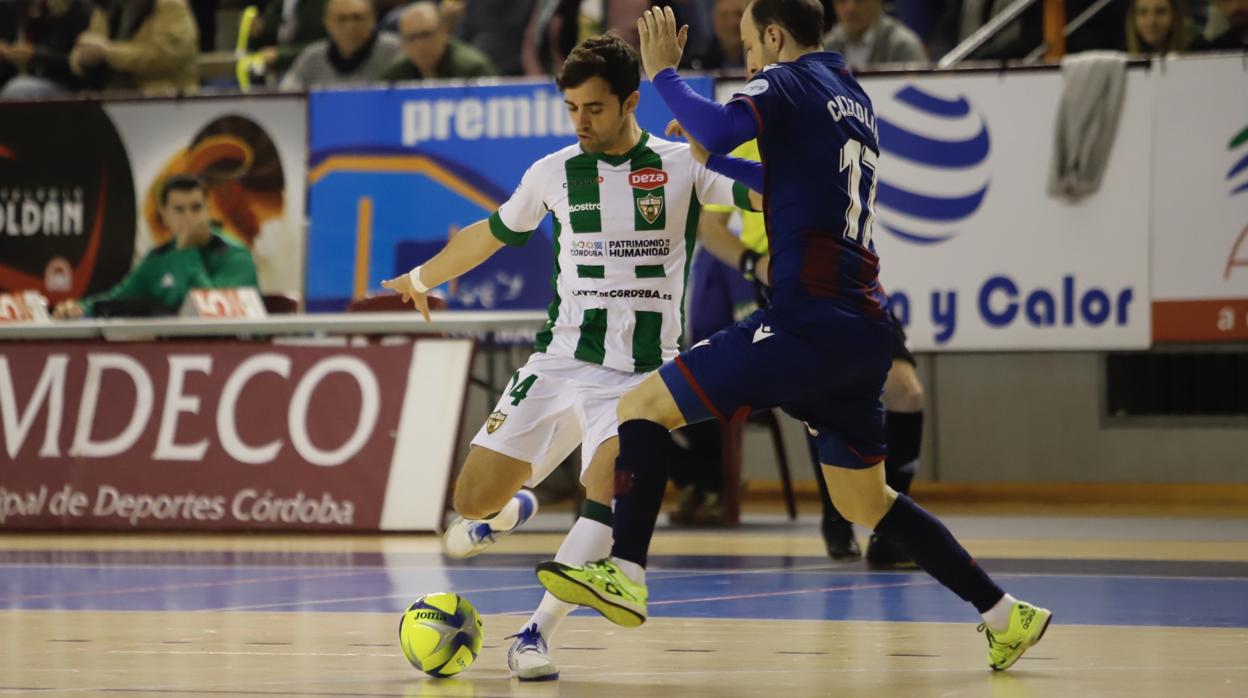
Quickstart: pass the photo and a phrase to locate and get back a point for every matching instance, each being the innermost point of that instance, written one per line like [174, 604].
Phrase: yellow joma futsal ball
[441, 634]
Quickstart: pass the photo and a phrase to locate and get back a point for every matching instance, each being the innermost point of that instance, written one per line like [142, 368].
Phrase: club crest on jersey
[494, 421]
[647, 178]
[650, 206]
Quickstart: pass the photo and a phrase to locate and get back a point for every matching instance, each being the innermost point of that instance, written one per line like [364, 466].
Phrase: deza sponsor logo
[647, 178]
[937, 176]
[540, 113]
[176, 410]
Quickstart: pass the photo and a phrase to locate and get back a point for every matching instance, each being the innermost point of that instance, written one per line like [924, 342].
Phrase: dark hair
[1176, 39]
[801, 18]
[181, 182]
[608, 57]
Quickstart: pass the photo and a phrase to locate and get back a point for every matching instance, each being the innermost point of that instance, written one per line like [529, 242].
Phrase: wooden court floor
[756, 612]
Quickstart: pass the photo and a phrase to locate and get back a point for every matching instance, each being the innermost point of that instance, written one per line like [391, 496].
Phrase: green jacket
[167, 274]
[460, 61]
[309, 28]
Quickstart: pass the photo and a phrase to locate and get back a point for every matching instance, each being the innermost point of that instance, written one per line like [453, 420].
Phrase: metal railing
[999, 21]
[984, 34]
[1071, 28]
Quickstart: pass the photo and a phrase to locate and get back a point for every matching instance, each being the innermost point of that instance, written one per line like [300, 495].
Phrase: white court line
[534, 585]
[251, 653]
[321, 602]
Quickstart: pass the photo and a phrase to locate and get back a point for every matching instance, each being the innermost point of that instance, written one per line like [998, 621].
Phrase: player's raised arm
[719, 127]
[467, 249]
[747, 173]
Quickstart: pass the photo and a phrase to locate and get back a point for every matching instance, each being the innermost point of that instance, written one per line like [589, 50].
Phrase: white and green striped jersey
[624, 231]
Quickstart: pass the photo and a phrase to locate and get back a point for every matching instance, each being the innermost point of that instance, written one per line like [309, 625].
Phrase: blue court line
[800, 589]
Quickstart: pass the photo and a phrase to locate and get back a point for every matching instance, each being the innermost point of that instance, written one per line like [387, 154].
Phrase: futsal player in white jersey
[625, 207]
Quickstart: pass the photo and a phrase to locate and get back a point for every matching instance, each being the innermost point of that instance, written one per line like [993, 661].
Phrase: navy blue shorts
[831, 380]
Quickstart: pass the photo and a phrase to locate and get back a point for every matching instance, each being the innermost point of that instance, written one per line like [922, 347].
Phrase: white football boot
[468, 537]
[529, 659]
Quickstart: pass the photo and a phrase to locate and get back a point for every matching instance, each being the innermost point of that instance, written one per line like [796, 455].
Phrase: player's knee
[631, 406]
[910, 399]
[599, 477]
[639, 403]
[904, 395]
[864, 508]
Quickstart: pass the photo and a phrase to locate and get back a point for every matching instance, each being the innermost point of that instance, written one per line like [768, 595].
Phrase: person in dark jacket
[37, 56]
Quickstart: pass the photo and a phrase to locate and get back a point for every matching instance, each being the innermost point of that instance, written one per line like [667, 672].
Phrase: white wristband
[414, 277]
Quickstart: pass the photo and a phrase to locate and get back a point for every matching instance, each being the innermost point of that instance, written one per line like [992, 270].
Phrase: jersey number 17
[859, 162]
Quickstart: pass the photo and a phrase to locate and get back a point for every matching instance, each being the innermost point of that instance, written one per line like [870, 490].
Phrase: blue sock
[925, 540]
[641, 471]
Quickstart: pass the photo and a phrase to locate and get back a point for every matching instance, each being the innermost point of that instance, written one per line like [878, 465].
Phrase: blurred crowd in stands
[54, 47]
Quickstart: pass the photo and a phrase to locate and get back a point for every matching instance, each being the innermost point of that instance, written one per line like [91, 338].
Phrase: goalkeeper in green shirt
[198, 256]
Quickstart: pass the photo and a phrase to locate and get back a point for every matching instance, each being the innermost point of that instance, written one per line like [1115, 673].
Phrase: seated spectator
[389, 11]
[430, 51]
[8, 37]
[725, 52]
[198, 256]
[496, 28]
[355, 52]
[1235, 38]
[42, 57]
[149, 45]
[285, 29]
[1156, 27]
[557, 26]
[868, 37]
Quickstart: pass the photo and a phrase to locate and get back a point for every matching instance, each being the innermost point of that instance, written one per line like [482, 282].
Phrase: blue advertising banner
[393, 173]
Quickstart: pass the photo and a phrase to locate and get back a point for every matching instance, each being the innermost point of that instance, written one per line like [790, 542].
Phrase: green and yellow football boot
[1027, 626]
[600, 585]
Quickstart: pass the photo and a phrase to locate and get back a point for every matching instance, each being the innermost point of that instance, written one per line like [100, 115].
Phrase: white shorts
[551, 404]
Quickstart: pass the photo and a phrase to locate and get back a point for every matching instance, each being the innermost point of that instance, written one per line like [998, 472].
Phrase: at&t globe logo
[937, 175]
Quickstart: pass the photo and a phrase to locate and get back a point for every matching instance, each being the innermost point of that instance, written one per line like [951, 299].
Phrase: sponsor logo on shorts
[494, 421]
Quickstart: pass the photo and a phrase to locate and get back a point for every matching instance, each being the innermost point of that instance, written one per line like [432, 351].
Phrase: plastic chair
[733, 433]
[280, 304]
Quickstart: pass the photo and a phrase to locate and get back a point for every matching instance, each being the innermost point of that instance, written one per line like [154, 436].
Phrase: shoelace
[474, 533]
[529, 637]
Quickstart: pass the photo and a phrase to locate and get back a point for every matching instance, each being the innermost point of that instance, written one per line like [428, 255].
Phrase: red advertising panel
[197, 436]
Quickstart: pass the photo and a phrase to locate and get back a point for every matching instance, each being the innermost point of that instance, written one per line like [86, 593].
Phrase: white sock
[506, 518]
[588, 540]
[998, 617]
[632, 570]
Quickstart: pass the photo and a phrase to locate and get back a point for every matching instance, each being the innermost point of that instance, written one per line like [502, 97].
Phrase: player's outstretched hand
[402, 285]
[661, 43]
[675, 130]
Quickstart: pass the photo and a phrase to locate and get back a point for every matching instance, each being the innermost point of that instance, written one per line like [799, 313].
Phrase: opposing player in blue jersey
[820, 351]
